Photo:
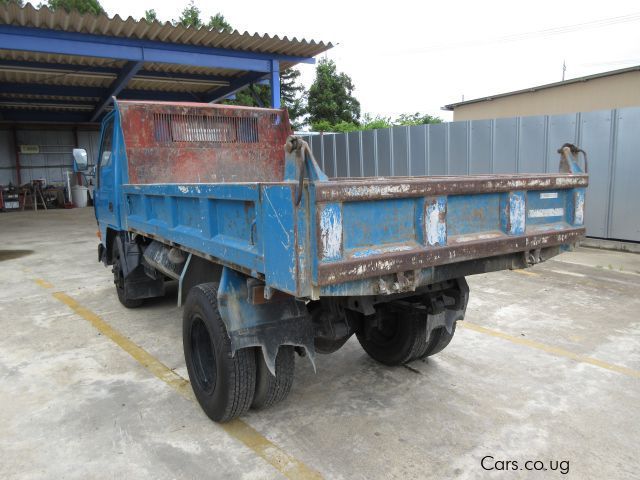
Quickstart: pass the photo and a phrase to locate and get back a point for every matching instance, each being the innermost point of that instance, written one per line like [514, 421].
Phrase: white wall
[55, 155]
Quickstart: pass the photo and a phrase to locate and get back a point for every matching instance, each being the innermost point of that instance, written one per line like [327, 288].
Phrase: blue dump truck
[272, 258]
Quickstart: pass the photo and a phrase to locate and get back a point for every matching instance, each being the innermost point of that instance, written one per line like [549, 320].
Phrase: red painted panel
[203, 143]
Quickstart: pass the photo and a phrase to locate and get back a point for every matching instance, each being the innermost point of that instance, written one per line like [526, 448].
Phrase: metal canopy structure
[66, 67]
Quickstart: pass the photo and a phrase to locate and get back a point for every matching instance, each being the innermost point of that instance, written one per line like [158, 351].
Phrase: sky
[417, 56]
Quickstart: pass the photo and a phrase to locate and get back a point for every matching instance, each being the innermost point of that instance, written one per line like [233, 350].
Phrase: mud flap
[451, 307]
[282, 320]
[137, 283]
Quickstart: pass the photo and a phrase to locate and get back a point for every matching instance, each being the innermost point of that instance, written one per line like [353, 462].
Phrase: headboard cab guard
[169, 142]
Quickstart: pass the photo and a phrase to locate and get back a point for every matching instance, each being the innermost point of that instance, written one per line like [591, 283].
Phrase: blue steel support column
[127, 73]
[274, 80]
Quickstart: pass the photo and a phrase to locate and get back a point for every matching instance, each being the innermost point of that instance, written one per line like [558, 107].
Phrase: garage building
[601, 91]
[59, 72]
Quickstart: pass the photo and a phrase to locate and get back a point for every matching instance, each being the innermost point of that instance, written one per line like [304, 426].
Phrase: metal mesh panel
[172, 127]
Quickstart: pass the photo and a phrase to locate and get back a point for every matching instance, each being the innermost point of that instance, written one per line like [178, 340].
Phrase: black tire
[269, 389]
[223, 385]
[119, 280]
[327, 346]
[402, 337]
[439, 340]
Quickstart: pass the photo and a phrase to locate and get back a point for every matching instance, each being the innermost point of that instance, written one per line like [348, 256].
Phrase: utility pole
[564, 69]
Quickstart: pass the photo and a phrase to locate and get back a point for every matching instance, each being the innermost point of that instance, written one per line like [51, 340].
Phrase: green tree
[252, 96]
[291, 91]
[190, 16]
[292, 96]
[331, 96]
[20, 3]
[322, 126]
[372, 123]
[340, 127]
[150, 15]
[367, 122]
[219, 23]
[82, 6]
[416, 119]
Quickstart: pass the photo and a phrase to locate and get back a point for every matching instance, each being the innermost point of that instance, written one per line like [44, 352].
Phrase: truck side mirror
[80, 163]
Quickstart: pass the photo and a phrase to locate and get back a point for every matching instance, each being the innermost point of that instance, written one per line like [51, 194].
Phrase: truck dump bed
[215, 180]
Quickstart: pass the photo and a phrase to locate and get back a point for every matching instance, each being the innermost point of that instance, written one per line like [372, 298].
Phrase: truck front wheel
[223, 384]
[119, 280]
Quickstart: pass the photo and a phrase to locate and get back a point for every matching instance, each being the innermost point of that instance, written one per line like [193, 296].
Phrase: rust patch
[380, 188]
[386, 263]
[203, 143]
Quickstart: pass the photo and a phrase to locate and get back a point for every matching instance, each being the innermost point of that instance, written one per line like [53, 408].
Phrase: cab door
[105, 179]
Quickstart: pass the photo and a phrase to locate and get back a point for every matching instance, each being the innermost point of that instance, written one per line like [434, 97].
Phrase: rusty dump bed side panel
[202, 143]
[374, 188]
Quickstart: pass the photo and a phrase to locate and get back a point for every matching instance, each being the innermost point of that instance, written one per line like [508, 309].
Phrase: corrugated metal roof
[586, 78]
[45, 73]
[163, 81]
[29, 16]
[15, 74]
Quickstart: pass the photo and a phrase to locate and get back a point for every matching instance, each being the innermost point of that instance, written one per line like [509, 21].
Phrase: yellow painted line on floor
[550, 349]
[522, 271]
[289, 466]
[43, 283]
[139, 354]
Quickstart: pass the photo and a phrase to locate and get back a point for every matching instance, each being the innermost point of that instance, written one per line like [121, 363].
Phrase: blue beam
[112, 71]
[45, 101]
[53, 90]
[42, 116]
[130, 94]
[73, 43]
[274, 80]
[222, 93]
[94, 92]
[127, 73]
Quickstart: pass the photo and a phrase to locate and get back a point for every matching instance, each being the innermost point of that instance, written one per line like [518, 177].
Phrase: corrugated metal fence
[507, 145]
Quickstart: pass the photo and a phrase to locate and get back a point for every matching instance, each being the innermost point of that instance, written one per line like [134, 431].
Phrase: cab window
[105, 149]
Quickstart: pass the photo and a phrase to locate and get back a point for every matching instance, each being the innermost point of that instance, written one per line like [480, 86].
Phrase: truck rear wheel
[393, 338]
[119, 280]
[439, 340]
[269, 389]
[224, 385]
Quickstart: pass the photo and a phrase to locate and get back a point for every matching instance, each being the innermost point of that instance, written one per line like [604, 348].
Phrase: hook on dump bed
[300, 158]
[569, 159]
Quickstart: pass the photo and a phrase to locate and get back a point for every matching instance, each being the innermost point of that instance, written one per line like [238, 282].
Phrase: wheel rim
[387, 332]
[203, 357]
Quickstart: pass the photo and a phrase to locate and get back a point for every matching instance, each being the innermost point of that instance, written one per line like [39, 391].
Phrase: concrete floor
[514, 385]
